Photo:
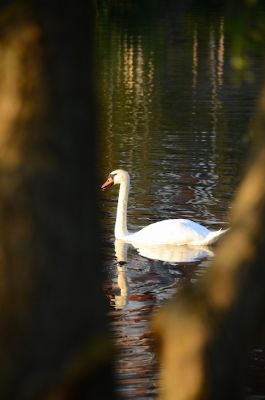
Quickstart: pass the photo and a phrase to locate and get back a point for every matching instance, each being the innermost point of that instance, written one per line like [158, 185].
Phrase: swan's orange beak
[108, 183]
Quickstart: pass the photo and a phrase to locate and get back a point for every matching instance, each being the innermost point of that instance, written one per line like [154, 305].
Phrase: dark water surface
[174, 117]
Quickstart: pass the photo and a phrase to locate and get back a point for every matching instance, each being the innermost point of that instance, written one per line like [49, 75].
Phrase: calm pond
[175, 117]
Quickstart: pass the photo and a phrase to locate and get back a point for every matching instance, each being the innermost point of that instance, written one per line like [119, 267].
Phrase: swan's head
[116, 178]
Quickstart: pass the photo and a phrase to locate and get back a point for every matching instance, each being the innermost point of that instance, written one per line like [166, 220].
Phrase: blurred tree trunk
[53, 342]
[206, 331]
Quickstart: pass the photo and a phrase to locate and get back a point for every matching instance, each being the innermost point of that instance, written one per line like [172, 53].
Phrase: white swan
[170, 231]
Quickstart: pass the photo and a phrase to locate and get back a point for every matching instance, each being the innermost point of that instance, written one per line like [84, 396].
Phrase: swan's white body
[166, 232]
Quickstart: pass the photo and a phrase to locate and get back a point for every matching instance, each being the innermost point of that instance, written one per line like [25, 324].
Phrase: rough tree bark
[206, 331]
[53, 342]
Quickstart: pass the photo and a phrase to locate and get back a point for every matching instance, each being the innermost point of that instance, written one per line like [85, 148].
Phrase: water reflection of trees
[128, 97]
[159, 117]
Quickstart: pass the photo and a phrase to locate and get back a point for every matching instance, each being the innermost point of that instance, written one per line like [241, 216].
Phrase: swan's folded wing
[172, 231]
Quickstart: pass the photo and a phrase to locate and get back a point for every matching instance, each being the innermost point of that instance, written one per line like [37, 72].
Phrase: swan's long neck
[121, 218]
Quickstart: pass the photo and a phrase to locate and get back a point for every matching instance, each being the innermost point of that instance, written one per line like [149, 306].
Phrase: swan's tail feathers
[213, 237]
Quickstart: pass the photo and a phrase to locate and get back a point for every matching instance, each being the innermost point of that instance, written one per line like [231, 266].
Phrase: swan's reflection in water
[141, 280]
[175, 254]
[167, 253]
[121, 299]
[121, 250]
